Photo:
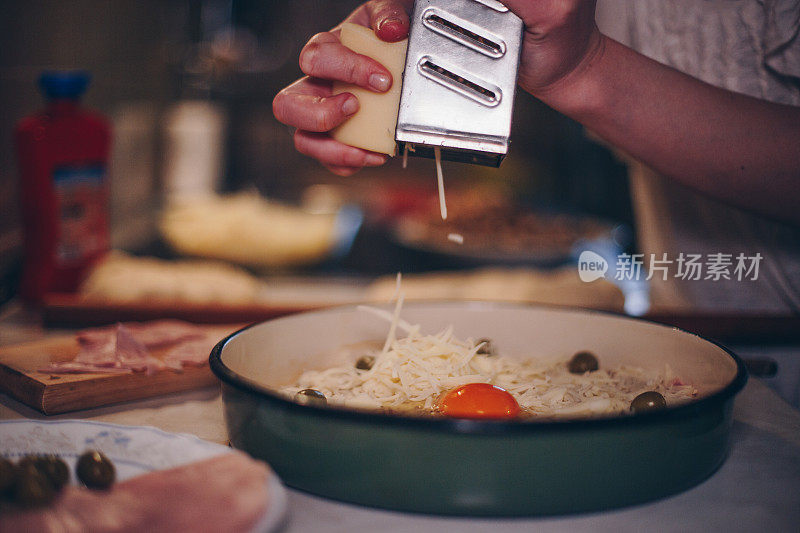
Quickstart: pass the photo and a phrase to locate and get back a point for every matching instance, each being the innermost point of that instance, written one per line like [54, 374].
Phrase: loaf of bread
[121, 278]
[248, 230]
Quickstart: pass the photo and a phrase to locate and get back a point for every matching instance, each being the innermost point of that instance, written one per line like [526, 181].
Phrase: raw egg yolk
[479, 400]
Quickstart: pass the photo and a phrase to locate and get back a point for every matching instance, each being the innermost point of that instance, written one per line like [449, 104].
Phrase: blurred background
[202, 73]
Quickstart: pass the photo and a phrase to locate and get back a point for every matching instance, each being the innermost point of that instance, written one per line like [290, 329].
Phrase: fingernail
[374, 159]
[379, 82]
[390, 21]
[350, 105]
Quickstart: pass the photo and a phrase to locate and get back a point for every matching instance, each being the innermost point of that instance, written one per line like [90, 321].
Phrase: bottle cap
[64, 83]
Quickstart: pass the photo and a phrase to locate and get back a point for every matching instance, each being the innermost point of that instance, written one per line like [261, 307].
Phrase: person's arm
[739, 149]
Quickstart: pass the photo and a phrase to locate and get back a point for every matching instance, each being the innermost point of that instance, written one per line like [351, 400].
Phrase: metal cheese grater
[459, 81]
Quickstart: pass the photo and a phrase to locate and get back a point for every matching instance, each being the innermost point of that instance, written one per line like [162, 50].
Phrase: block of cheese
[373, 126]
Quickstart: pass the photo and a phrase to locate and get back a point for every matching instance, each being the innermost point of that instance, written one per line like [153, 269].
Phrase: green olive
[310, 397]
[55, 469]
[648, 401]
[29, 462]
[487, 348]
[95, 470]
[32, 488]
[582, 362]
[8, 476]
[365, 362]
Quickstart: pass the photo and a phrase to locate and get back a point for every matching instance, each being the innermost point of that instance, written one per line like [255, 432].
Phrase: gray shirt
[747, 46]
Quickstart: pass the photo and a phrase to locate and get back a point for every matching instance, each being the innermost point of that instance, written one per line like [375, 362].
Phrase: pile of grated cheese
[412, 373]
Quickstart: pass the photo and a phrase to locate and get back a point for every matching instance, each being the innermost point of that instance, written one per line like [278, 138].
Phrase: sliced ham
[126, 348]
[121, 352]
[157, 334]
[190, 353]
[226, 493]
[96, 337]
[98, 353]
[131, 353]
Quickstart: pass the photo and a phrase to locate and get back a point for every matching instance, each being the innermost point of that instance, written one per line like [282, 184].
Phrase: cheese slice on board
[373, 126]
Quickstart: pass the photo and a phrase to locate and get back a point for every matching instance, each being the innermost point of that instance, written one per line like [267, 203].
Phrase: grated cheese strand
[437, 152]
[456, 238]
[397, 286]
[390, 338]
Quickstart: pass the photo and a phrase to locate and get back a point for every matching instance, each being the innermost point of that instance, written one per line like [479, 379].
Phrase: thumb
[389, 20]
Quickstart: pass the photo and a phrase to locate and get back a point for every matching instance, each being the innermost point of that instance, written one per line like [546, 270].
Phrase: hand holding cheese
[311, 104]
[373, 126]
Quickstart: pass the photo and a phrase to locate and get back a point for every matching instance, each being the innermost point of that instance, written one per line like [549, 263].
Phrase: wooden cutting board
[59, 393]
[71, 311]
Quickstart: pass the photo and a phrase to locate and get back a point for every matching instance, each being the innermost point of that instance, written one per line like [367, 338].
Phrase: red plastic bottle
[63, 156]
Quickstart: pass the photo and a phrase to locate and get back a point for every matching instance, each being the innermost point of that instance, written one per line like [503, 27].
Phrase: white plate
[134, 450]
